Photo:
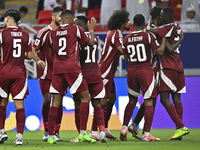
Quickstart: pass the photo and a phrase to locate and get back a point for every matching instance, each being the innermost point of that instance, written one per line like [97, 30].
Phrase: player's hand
[41, 64]
[91, 25]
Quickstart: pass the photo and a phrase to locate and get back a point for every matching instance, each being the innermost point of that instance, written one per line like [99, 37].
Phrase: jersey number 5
[16, 47]
[138, 50]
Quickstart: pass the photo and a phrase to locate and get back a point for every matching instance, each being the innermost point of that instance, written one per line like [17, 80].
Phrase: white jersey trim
[133, 93]
[23, 92]
[76, 84]
[168, 82]
[170, 32]
[45, 70]
[150, 89]
[3, 93]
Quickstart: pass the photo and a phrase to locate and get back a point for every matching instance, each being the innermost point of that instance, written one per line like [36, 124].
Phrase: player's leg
[58, 123]
[44, 86]
[3, 105]
[53, 113]
[99, 119]
[77, 104]
[168, 82]
[127, 116]
[148, 116]
[20, 118]
[84, 113]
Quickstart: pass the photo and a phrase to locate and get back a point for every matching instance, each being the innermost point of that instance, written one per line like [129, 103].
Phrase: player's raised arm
[172, 47]
[153, 30]
[91, 25]
[161, 49]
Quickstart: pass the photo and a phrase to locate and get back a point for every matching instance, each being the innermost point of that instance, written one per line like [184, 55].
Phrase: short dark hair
[57, 9]
[83, 18]
[138, 20]
[118, 18]
[14, 14]
[23, 9]
[67, 12]
[169, 12]
[155, 12]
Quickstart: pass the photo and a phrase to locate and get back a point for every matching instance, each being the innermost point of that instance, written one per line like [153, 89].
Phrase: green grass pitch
[33, 141]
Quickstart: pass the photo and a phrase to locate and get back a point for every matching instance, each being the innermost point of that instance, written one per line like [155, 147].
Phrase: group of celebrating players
[68, 58]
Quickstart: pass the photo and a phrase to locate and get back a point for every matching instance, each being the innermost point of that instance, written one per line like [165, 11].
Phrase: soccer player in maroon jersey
[172, 79]
[44, 70]
[14, 43]
[153, 22]
[138, 48]
[65, 41]
[92, 75]
[117, 23]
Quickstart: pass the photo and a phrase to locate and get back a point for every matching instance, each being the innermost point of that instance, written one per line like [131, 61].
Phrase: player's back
[138, 48]
[171, 31]
[14, 43]
[65, 41]
[88, 62]
[110, 53]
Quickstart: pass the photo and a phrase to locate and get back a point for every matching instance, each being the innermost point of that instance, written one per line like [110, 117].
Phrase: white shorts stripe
[76, 84]
[183, 90]
[150, 89]
[53, 90]
[3, 93]
[23, 92]
[130, 91]
[101, 94]
[168, 82]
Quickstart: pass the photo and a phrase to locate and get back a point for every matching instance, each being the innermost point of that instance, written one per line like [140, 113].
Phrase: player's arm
[153, 30]
[172, 47]
[160, 50]
[51, 51]
[28, 55]
[91, 25]
[39, 62]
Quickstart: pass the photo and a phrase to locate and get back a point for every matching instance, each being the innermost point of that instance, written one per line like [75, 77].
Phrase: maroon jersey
[88, 61]
[65, 41]
[110, 54]
[14, 42]
[1, 27]
[42, 43]
[138, 45]
[173, 61]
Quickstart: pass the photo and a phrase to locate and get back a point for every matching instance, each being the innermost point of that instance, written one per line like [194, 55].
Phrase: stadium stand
[44, 16]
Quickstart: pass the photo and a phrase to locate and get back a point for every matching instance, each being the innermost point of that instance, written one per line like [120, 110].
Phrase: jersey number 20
[138, 50]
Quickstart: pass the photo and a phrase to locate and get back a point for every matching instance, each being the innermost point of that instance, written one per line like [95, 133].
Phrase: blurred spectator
[40, 7]
[107, 8]
[79, 7]
[2, 6]
[50, 4]
[190, 3]
[92, 4]
[188, 25]
[23, 12]
[138, 7]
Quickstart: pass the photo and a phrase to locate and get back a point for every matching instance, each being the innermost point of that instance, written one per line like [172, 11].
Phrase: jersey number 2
[16, 47]
[62, 43]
